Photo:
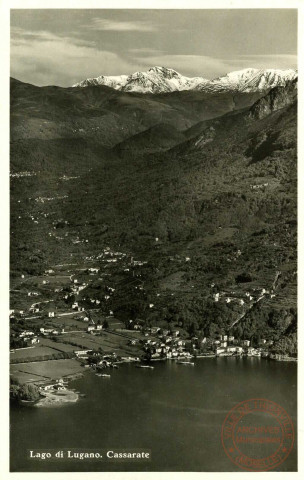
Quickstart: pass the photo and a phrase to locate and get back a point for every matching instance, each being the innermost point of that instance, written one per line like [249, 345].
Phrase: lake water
[174, 411]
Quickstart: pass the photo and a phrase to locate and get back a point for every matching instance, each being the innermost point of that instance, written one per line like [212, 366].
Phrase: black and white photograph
[153, 239]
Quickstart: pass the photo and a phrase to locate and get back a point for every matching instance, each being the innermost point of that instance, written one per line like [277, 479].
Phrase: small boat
[144, 366]
[185, 363]
[103, 375]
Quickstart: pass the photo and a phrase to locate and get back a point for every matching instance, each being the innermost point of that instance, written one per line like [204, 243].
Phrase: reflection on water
[174, 411]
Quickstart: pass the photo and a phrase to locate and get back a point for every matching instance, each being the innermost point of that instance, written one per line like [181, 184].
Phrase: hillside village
[57, 316]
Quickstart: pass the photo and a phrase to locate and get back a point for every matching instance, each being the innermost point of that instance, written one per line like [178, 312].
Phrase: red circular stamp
[257, 435]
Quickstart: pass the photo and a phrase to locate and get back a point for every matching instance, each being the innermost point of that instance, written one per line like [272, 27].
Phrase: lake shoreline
[172, 410]
[65, 396]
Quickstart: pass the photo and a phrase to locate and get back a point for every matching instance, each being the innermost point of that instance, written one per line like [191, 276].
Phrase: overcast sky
[61, 47]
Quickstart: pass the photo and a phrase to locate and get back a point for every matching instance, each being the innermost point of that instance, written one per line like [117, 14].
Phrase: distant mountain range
[164, 80]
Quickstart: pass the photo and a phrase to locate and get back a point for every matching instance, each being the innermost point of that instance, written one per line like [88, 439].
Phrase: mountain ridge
[163, 80]
[163, 137]
[108, 115]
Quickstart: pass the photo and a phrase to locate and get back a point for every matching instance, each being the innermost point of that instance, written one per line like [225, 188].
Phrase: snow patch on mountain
[116, 82]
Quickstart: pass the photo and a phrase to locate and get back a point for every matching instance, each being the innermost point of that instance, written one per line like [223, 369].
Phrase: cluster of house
[93, 270]
[28, 336]
[167, 345]
[257, 186]
[51, 331]
[77, 307]
[22, 174]
[228, 299]
[77, 288]
[34, 308]
[103, 361]
[249, 298]
[83, 353]
[109, 256]
[57, 386]
[77, 285]
[66, 177]
[226, 345]
[48, 199]
[13, 312]
[93, 329]
[77, 240]
[137, 263]
[49, 271]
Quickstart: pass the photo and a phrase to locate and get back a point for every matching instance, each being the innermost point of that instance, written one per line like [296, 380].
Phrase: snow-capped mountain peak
[162, 80]
[253, 79]
[166, 72]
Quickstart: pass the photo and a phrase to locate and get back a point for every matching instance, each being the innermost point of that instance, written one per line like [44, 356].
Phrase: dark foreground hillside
[212, 210]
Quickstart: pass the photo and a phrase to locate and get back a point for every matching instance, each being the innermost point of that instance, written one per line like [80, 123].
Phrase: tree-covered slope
[214, 216]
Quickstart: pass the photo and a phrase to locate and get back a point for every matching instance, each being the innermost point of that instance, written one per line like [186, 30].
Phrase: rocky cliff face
[276, 99]
[240, 123]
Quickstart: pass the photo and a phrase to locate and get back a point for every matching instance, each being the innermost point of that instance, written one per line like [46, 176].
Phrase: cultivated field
[47, 370]
[63, 347]
[108, 342]
[29, 353]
